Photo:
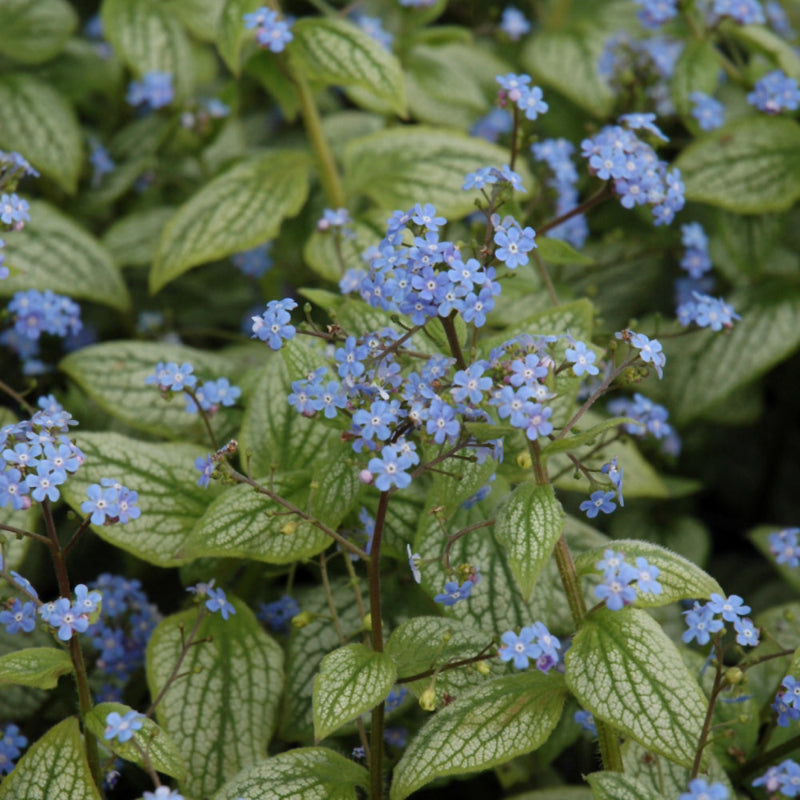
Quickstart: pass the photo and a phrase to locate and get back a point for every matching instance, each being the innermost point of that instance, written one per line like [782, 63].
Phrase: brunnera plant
[492, 263]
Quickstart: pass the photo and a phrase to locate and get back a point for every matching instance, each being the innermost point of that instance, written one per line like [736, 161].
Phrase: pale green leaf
[725, 362]
[40, 667]
[113, 374]
[616, 786]
[222, 713]
[749, 166]
[306, 773]
[55, 768]
[351, 680]
[166, 480]
[587, 437]
[423, 643]
[274, 434]
[36, 121]
[528, 525]
[625, 670]
[132, 239]
[482, 728]
[19, 702]
[337, 52]
[680, 579]
[201, 17]
[161, 751]
[763, 40]
[53, 252]
[567, 62]
[240, 209]
[558, 252]
[148, 37]
[416, 164]
[743, 246]
[308, 646]
[460, 481]
[34, 31]
[242, 523]
[697, 70]
[232, 32]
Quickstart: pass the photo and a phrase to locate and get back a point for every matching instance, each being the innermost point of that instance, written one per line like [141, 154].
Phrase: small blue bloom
[278, 613]
[514, 24]
[121, 727]
[453, 593]
[217, 601]
[20, 617]
[154, 90]
[700, 789]
[598, 501]
[730, 608]
[701, 624]
[582, 358]
[709, 112]
[519, 649]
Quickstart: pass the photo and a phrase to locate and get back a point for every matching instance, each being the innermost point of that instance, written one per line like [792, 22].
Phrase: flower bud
[367, 622]
[365, 476]
[733, 676]
[483, 668]
[302, 619]
[288, 528]
[524, 460]
[427, 700]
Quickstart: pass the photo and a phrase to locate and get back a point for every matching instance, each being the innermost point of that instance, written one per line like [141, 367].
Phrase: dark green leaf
[34, 31]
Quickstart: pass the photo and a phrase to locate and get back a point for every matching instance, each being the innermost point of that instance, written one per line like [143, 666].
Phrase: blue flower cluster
[337, 220]
[271, 32]
[36, 456]
[153, 91]
[279, 613]
[703, 619]
[787, 702]
[652, 416]
[11, 745]
[534, 643]
[217, 601]
[709, 112]
[784, 546]
[13, 209]
[650, 351]
[36, 313]
[783, 778]
[775, 92]
[273, 325]
[586, 721]
[700, 789]
[778, 19]
[655, 13]
[695, 260]
[120, 634]
[209, 396]
[527, 98]
[373, 27]
[745, 12]
[706, 312]
[623, 581]
[255, 262]
[109, 502]
[557, 154]
[639, 176]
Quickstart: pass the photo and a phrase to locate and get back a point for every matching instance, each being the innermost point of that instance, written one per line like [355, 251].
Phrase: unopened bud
[302, 619]
[365, 476]
[367, 622]
[427, 700]
[524, 460]
[483, 668]
[288, 528]
[733, 676]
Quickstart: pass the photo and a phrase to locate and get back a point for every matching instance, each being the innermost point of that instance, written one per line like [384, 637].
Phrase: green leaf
[763, 40]
[337, 52]
[557, 251]
[416, 164]
[273, 433]
[423, 643]
[166, 480]
[241, 208]
[40, 667]
[680, 579]
[53, 252]
[241, 523]
[616, 786]
[697, 70]
[306, 649]
[556, 793]
[750, 166]
[481, 729]
[310, 773]
[113, 375]
[329, 256]
[724, 362]
[351, 680]
[222, 713]
[37, 122]
[132, 239]
[201, 17]
[148, 37]
[55, 768]
[528, 526]
[34, 31]
[743, 246]
[162, 753]
[625, 670]
[567, 62]
[232, 32]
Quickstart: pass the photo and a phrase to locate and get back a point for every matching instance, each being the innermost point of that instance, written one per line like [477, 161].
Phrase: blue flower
[11, 744]
[656, 12]
[775, 92]
[615, 474]
[413, 563]
[273, 325]
[701, 624]
[218, 602]
[255, 262]
[278, 613]
[538, 423]
[154, 90]
[453, 593]
[20, 617]
[271, 32]
[709, 113]
[647, 574]
[14, 210]
[206, 468]
[746, 632]
[390, 469]
[521, 649]
[395, 698]
[782, 544]
[745, 12]
[585, 720]
[102, 504]
[67, 618]
[598, 501]
[121, 727]
[699, 789]
[649, 352]
[514, 245]
[616, 591]
[86, 602]
[514, 24]
[730, 608]
[582, 358]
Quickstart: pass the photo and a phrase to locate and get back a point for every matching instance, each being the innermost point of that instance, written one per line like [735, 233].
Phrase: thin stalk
[376, 731]
[719, 684]
[449, 326]
[547, 280]
[598, 197]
